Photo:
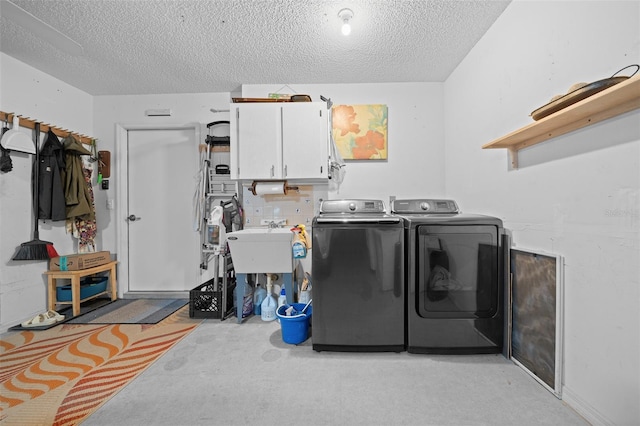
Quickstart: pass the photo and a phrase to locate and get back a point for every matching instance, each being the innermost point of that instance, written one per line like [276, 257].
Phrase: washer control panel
[424, 206]
[352, 206]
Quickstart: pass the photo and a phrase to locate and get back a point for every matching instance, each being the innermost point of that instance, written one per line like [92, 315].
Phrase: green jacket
[76, 190]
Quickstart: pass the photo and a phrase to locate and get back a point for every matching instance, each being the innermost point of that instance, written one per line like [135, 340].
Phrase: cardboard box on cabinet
[76, 262]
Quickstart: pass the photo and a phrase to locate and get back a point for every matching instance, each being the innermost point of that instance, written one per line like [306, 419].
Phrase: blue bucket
[295, 329]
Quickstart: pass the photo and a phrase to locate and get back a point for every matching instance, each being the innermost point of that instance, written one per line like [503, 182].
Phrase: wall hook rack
[30, 123]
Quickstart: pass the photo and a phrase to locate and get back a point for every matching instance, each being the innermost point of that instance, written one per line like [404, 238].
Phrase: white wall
[31, 93]
[130, 110]
[415, 165]
[576, 195]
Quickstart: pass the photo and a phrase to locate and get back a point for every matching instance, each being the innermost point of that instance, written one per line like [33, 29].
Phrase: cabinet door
[258, 150]
[304, 140]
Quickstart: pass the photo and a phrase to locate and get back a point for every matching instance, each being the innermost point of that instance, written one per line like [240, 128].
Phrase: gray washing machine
[358, 278]
[455, 279]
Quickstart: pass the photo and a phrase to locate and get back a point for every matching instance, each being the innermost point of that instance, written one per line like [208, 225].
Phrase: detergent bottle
[216, 235]
[258, 296]
[268, 306]
[247, 300]
[299, 245]
[282, 299]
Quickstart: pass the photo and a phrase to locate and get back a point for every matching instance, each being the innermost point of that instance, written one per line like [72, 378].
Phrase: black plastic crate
[206, 303]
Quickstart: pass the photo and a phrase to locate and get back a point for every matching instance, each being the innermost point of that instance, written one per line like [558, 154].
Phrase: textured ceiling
[158, 46]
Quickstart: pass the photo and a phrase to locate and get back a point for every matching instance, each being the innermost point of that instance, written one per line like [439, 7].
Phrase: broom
[36, 249]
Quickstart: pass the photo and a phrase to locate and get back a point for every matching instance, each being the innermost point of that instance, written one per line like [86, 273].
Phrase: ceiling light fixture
[346, 15]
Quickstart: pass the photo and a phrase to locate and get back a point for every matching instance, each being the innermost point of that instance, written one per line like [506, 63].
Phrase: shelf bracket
[513, 156]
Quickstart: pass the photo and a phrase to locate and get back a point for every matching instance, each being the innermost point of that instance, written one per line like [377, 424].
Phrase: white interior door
[162, 245]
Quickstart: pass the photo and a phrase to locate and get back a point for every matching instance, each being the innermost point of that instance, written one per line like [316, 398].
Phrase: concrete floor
[226, 373]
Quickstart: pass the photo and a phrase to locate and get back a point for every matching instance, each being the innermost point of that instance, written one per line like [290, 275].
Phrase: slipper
[39, 321]
[54, 314]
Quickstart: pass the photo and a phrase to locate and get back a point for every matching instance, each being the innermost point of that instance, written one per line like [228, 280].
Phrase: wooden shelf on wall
[616, 100]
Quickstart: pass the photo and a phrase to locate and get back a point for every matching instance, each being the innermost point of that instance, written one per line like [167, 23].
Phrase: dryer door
[457, 271]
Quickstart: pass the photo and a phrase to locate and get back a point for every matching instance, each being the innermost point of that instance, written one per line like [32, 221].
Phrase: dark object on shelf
[579, 94]
[300, 98]
[248, 100]
[293, 98]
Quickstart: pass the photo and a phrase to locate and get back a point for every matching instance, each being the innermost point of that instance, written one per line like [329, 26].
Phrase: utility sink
[261, 250]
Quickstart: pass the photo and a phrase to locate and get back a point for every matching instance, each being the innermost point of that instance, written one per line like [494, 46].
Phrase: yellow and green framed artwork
[360, 131]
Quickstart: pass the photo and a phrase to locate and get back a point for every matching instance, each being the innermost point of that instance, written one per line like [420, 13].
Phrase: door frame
[122, 190]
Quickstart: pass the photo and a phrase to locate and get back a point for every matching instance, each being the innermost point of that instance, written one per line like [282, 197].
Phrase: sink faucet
[273, 224]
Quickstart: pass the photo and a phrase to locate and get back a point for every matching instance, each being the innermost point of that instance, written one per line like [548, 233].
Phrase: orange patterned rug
[61, 375]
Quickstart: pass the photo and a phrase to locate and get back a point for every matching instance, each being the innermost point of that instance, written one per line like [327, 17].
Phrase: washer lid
[424, 206]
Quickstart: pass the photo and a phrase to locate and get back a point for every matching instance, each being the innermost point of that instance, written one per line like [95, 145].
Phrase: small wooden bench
[75, 276]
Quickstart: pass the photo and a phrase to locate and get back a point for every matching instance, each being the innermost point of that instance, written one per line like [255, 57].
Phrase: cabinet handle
[272, 170]
[320, 169]
[285, 170]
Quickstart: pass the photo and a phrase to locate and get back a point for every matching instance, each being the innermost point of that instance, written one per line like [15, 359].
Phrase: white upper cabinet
[279, 140]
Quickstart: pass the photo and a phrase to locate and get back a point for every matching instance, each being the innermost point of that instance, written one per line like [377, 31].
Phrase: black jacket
[52, 203]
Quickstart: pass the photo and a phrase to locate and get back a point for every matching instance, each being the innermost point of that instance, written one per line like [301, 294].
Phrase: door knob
[133, 218]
